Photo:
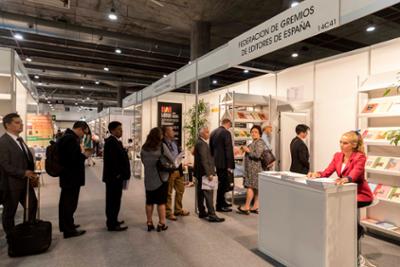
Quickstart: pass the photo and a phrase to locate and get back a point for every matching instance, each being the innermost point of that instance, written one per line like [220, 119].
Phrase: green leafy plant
[393, 136]
[190, 121]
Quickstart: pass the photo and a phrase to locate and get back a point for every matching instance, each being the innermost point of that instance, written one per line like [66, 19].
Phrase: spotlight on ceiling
[36, 77]
[87, 98]
[48, 102]
[246, 71]
[81, 87]
[295, 55]
[370, 28]
[158, 3]
[214, 81]
[106, 69]
[112, 15]
[165, 75]
[76, 103]
[118, 51]
[28, 59]
[40, 84]
[294, 3]
[18, 36]
[97, 82]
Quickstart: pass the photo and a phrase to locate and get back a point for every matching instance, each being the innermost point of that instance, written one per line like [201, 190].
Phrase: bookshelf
[244, 110]
[378, 115]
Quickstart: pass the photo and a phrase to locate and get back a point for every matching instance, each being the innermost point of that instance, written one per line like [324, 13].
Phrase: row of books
[385, 192]
[383, 163]
[384, 224]
[242, 133]
[382, 107]
[251, 115]
[372, 134]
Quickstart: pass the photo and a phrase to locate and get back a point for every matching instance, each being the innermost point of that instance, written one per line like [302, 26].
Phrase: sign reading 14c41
[328, 25]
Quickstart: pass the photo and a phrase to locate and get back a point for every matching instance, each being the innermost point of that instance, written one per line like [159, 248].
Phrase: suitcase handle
[26, 213]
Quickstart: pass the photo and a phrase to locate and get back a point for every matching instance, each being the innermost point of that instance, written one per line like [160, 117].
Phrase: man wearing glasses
[72, 177]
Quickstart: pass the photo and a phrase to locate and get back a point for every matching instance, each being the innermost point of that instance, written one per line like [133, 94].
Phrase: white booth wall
[331, 83]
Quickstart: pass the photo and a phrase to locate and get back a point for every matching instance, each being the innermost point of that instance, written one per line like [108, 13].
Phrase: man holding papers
[204, 171]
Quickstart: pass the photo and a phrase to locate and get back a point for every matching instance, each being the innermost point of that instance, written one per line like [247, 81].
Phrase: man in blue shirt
[267, 133]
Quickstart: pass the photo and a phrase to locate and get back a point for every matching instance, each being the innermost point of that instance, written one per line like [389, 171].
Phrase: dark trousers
[207, 196]
[66, 208]
[11, 200]
[113, 202]
[223, 187]
[360, 229]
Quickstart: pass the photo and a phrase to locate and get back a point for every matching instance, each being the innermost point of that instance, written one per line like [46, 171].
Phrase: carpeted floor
[188, 242]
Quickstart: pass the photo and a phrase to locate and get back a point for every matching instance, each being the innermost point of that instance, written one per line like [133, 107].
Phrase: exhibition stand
[307, 222]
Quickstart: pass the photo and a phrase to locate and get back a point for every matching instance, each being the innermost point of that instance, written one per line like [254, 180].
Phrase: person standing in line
[176, 179]
[116, 172]
[267, 134]
[252, 167]
[72, 177]
[221, 148]
[16, 165]
[155, 180]
[204, 168]
[299, 151]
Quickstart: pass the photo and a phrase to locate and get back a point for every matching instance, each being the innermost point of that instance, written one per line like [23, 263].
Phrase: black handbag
[164, 164]
[267, 158]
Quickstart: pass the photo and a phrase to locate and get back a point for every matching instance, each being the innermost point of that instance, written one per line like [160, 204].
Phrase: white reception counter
[307, 225]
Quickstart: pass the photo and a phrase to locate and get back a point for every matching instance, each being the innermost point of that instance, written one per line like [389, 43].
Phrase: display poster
[307, 19]
[39, 130]
[170, 114]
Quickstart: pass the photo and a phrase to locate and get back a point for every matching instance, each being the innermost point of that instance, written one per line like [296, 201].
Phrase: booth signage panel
[185, 75]
[215, 61]
[39, 130]
[170, 114]
[309, 18]
[355, 9]
[147, 92]
[129, 100]
[164, 85]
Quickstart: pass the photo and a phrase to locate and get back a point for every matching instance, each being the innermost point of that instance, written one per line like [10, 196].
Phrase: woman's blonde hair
[356, 139]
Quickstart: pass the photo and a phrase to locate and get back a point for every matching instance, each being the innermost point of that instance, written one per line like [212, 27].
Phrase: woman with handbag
[252, 166]
[155, 178]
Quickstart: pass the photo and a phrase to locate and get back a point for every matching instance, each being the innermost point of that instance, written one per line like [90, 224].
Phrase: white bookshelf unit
[379, 114]
[244, 111]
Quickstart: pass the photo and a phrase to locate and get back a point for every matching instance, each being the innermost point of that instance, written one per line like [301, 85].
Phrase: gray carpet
[188, 242]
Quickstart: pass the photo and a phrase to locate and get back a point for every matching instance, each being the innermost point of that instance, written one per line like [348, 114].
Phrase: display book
[378, 116]
[137, 141]
[244, 111]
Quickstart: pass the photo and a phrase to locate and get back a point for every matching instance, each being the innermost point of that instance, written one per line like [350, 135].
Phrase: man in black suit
[116, 171]
[221, 147]
[72, 177]
[16, 166]
[204, 168]
[299, 151]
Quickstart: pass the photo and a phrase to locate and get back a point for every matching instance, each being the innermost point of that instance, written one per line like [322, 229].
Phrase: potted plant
[190, 122]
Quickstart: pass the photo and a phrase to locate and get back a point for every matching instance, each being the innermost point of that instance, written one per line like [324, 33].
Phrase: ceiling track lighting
[106, 69]
[18, 36]
[112, 15]
[294, 55]
[28, 59]
[371, 28]
[118, 51]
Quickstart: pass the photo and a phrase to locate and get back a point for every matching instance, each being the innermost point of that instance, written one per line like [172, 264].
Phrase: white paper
[178, 160]
[209, 185]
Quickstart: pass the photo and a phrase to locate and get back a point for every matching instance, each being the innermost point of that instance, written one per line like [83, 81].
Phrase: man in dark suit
[204, 168]
[72, 177]
[16, 166]
[299, 151]
[221, 147]
[116, 171]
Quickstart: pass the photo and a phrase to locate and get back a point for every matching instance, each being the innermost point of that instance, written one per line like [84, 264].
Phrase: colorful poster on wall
[170, 114]
[39, 130]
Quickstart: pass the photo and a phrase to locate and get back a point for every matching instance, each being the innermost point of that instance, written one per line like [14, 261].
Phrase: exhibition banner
[39, 130]
[170, 114]
[309, 18]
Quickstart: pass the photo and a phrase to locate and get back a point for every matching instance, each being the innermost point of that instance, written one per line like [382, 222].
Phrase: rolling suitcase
[30, 238]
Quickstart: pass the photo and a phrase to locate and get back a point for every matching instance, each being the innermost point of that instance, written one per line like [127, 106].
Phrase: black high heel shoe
[161, 227]
[150, 227]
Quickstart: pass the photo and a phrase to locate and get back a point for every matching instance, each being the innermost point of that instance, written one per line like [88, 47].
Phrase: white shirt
[204, 140]
[14, 137]
[343, 166]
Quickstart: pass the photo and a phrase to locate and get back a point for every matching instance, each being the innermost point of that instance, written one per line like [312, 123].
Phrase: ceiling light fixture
[158, 3]
[40, 84]
[97, 82]
[88, 98]
[36, 76]
[295, 55]
[106, 69]
[118, 51]
[112, 15]
[48, 102]
[214, 81]
[18, 36]
[28, 59]
[76, 104]
[165, 75]
[294, 3]
[246, 71]
[370, 28]
[81, 87]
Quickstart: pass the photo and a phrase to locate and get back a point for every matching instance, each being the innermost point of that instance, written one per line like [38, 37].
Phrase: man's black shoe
[224, 209]
[121, 222]
[203, 215]
[77, 226]
[215, 218]
[74, 233]
[117, 228]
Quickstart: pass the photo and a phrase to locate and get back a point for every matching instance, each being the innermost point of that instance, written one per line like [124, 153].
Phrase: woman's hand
[342, 181]
[313, 175]
[245, 149]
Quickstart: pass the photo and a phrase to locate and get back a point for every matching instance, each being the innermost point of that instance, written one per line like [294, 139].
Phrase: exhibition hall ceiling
[78, 52]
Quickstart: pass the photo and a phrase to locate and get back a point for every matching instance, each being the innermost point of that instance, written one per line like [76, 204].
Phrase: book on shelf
[263, 116]
[383, 107]
[397, 230]
[393, 165]
[369, 220]
[370, 161]
[386, 225]
[394, 194]
[370, 108]
[242, 133]
[238, 152]
[379, 135]
[380, 163]
[395, 108]
[382, 191]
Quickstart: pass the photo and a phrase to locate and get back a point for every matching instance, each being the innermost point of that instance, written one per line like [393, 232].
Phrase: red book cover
[382, 191]
[393, 165]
